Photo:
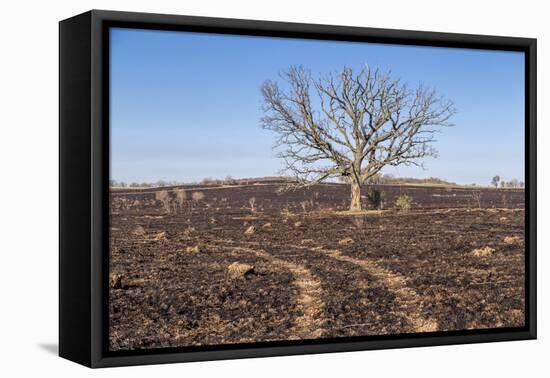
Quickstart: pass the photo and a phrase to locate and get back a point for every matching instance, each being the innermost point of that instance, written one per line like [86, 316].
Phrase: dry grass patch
[510, 240]
[164, 198]
[345, 241]
[153, 216]
[346, 213]
[138, 230]
[483, 252]
[193, 249]
[239, 270]
[115, 281]
[197, 196]
[517, 316]
[160, 236]
[181, 196]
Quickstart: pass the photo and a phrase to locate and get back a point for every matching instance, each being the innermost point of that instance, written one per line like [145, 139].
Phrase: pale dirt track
[310, 324]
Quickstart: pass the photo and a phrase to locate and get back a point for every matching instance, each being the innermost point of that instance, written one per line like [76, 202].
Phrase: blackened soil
[318, 271]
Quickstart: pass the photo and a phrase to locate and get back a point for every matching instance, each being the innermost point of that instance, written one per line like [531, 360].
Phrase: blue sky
[185, 106]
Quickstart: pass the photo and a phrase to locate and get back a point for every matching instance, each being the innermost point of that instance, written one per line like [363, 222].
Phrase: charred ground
[311, 269]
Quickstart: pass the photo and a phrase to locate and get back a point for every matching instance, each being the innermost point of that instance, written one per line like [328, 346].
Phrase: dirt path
[396, 283]
[311, 324]
[407, 298]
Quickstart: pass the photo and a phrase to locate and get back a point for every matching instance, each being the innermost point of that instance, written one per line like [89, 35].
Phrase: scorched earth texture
[246, 263]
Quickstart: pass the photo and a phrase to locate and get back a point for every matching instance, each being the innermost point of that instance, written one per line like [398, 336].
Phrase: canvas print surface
[269, 189]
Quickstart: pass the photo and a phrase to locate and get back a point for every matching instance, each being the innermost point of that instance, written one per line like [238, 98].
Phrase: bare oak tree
[350, 125]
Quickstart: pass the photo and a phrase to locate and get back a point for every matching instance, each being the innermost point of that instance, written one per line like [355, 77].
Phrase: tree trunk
[355, 204]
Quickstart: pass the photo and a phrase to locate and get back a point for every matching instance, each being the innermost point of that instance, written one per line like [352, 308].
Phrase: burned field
[208, 265]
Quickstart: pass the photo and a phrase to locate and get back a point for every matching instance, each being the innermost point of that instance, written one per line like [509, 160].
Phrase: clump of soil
[345, 241]
[193, 249]
[160, 236]
[239, 270]
[483, 252]
[510, 240]
[115, 281]
[138, 230]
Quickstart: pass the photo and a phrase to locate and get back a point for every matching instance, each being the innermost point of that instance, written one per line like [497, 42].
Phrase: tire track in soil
[395, 282]
[311, 324]
[407, 297]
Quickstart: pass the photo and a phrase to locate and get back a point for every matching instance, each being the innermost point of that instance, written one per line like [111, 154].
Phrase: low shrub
[252, 203]
[197, 196]
[403, 202]
[376, 198]
[164, 198]
[181, 196]
[476, 197]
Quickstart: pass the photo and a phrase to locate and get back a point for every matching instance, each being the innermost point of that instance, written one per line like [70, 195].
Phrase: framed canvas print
[234, 188]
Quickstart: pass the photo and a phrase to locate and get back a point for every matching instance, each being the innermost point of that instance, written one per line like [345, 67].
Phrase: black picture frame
[84, 192]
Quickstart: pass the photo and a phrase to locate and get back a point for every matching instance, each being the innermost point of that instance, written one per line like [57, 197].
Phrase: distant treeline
[206, 181]
[389, 179]
[378, 179]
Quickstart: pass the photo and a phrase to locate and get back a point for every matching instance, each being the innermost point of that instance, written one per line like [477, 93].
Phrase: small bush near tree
[376, 198]
[403, 202]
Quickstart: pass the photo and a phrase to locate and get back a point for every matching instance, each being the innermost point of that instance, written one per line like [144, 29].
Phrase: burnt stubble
[222, 264]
